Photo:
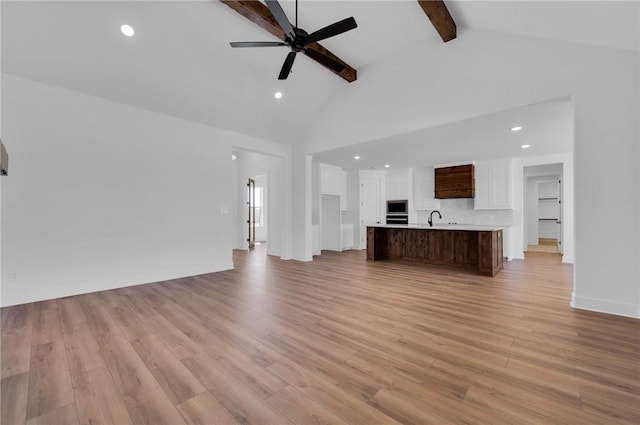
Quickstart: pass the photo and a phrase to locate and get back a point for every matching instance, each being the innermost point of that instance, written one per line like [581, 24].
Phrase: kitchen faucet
[431, 217]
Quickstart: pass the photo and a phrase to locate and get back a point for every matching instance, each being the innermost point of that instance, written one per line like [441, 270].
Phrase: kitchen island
[471, 247]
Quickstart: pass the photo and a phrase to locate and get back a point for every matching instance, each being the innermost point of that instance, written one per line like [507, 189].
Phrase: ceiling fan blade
[286, 66]
[283, 21]
[331, 30]
[324, 60]
[257, 43]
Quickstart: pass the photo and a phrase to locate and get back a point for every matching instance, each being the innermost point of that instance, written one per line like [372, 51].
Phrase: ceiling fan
[298, 40]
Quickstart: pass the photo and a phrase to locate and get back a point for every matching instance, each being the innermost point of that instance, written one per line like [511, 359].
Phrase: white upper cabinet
[424, 189]
[493, 185]
[398, 184]
[333, 181]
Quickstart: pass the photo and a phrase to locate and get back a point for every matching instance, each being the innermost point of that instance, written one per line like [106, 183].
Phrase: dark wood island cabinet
[472, 248]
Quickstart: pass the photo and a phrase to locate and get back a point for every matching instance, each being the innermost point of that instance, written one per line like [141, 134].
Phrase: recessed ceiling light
[127, 30]
[525, 146]
[278, 95]
[387, 165]
[516, 128]
[356, 157]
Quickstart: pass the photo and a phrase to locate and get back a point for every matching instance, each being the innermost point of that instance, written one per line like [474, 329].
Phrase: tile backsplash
[461, 211]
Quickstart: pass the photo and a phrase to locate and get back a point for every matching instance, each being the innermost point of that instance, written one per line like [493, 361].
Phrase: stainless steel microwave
[398, 207]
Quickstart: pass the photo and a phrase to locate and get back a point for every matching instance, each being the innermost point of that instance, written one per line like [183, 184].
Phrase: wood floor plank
[129, 372]
[45, 305]
[517, 389]
[302, 410]
[66, 415]
[16, 317]
[102, 325]
[250, 372]
[49, 380]
[71, 314]
[15, 351]
[83, 353]
[405, 410]
[350, 408]
[242, 401]
[99, 402]
[610, 407]
[234, 337]
[154, 408]
[13, 397]
[176, 381]
[204, 409]
[518, 413]
[46, 326]
[139, 304]
[132, 326]
[174, 339]
[183, 319]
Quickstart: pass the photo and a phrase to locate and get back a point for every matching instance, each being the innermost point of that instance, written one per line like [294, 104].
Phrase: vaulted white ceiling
[179, 62]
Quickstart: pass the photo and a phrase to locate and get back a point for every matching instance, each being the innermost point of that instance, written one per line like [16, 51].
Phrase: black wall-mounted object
[4, 160]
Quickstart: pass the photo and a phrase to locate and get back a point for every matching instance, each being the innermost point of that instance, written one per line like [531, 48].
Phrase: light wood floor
[336, 341]
[545, 245]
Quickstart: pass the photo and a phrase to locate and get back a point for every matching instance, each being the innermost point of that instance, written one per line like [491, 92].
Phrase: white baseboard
[57, 291]
[605, 306]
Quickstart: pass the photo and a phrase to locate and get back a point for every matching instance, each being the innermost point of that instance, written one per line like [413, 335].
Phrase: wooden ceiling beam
[440, 17]
[258, 13]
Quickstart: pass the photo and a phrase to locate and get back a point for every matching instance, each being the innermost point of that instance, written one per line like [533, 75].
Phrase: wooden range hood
[455, 182]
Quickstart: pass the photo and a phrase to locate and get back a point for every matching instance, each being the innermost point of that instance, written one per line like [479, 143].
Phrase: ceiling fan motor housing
[298, 43]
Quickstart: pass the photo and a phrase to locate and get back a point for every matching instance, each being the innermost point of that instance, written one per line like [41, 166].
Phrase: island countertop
[443, 226]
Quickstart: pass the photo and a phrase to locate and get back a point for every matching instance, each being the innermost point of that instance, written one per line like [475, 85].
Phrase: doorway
[543, 209]
[260, 200]
[251, 213]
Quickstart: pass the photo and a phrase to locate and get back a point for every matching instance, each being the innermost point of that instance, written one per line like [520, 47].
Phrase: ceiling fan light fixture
[387, 165]
[127, 30]
[278, 95]
[356, 157]
[525, 146]
[516, 128]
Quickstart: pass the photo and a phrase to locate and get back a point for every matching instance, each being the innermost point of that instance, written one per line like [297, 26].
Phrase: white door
[370, 206]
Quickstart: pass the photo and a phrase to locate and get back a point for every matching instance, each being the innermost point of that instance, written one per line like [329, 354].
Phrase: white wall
[530, 212]
[330, 222]
[352, 215]
[104, 195]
